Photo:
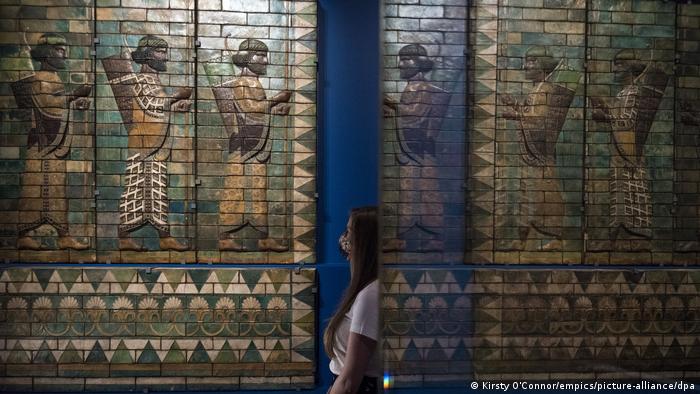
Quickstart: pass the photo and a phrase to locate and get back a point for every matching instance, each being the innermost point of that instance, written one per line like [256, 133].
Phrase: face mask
[344, 244]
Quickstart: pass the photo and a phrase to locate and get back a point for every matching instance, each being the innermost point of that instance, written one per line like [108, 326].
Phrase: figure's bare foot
[170, 243]
[71, 243]
[231, 245]
[551, 246]
[272, 244]
[28, 243]
[130, 244]
[394, 245]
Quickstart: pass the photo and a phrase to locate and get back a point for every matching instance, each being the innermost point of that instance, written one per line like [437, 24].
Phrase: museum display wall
[162, 131]
[545, 228]
[160, 218]
[155, 133]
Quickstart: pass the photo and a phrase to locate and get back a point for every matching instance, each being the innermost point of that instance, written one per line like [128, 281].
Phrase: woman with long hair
[351, 337]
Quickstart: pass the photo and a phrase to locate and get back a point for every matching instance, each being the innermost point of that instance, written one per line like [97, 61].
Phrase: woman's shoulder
[369, 292]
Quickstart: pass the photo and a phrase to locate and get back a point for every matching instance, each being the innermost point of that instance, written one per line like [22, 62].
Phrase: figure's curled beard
[407, 73]
[158, 65]
[258, 69]
[56, 62]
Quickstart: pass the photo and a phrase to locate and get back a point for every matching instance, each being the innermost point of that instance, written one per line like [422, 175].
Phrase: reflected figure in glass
[630, 115]
[418, 117]
[540, 118]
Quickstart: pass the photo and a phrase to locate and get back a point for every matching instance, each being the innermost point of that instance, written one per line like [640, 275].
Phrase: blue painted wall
[348, 121]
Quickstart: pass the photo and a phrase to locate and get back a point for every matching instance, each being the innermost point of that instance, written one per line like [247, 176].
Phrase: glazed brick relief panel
[428, 326]
[581, 132]
[452, 326]
[423, 159]
[144, 134]
[629, 171]
[587, 324]
[47, 148]
[157, 329]
[538, 138]
[256, 154]
[215, 168]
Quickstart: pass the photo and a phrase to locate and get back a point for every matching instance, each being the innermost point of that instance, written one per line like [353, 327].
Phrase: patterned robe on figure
[630, 200]
[145, 111]
[145, 198]
[43, 193]
[631, 118]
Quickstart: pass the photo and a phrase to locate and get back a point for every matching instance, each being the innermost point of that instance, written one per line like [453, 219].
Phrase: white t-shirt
[362, 318]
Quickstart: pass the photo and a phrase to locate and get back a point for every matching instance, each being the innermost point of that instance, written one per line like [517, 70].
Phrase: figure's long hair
[363, 266]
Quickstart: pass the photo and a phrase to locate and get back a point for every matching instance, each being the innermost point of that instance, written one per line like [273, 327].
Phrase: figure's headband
[51, 39]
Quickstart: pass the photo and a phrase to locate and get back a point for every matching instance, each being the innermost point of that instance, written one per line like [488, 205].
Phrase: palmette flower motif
[225, 303]
[390, 303]
[122, 303]
[17, 303]
[437, 303]
[43, 310]
[69, 303]
[199, 303]
[95, 307]
[413, 302]
[17, 309]
[652, 303]
[42, 303]
[172, 303]
[630, 309]
[148, 303]
[630, 303]
[276, 303]
[559, 309]
[607, 303]
[251, 303]
[95, 303]
[559, 304]
[583, 303]
[123, 309]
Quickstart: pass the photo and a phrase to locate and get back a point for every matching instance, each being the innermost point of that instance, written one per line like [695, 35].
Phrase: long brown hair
[363, 266]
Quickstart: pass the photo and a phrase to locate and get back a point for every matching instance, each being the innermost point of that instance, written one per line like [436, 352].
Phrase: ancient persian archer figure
[43, 194]
[247, 114]
[630, 115]
[540, 118]
[419, 116]
[145, 108]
